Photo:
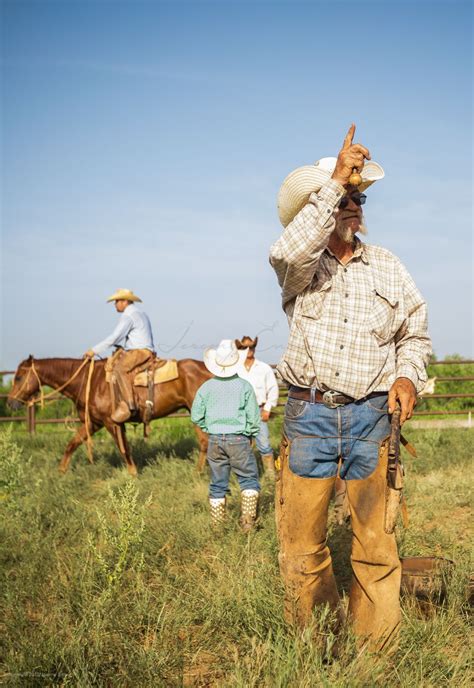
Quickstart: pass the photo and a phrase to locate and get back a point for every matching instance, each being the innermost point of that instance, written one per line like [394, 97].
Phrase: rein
[87, 413]
[44, 396]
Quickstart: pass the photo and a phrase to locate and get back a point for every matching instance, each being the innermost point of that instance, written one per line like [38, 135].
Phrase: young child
[226, 408]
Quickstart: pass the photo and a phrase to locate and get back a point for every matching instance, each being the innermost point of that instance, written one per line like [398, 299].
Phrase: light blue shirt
[226, 405]
[133, 331]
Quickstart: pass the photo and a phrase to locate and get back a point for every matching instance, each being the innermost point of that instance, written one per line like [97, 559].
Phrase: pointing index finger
[349, 136]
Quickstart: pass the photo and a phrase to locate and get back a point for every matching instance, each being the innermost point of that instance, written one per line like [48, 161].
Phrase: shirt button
[347, 295]
[345, 319]
[337, 374]
[342, 346]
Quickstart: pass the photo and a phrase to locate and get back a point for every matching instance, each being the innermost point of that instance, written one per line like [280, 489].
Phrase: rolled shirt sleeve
[295, 255]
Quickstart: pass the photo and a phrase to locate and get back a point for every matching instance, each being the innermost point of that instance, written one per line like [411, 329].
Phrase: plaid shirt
[354, 328]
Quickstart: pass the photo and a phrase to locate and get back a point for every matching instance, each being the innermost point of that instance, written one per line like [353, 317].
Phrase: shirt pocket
[383, 315]
[312, 301]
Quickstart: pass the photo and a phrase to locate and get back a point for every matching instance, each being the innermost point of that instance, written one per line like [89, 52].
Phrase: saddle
[159, 369]
[153, 372]
[163, 371]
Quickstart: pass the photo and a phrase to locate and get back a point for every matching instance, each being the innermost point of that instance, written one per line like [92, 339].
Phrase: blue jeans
[263, 439]
[231, 452]
[320, 436]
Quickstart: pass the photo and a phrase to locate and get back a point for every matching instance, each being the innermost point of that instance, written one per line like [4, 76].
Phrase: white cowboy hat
[125, 295]
[225, 360]
[302, 182]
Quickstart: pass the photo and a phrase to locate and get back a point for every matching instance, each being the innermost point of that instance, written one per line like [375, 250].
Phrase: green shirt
[226, 405]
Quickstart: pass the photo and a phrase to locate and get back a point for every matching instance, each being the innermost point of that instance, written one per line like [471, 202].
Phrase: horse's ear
[30, 357]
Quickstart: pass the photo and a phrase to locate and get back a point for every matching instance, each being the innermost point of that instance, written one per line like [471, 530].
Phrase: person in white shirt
[263, 380]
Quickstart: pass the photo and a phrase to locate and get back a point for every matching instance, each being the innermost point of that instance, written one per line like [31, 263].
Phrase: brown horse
[59, 373]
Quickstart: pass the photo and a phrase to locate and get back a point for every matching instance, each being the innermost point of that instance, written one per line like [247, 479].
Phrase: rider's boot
[121, 413]
[126, 405]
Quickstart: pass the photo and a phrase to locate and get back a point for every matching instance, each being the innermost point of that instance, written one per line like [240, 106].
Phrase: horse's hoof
[132, 470]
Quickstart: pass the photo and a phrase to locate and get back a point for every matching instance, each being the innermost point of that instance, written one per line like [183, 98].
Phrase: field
[112, 581]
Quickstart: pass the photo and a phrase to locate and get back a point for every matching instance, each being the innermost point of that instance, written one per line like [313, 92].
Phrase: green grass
[107, 580]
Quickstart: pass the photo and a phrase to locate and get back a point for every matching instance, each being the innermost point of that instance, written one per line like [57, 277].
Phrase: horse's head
[25, 384]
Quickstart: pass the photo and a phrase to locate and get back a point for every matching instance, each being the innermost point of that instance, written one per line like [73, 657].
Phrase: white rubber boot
[217, 506]
[248, 514]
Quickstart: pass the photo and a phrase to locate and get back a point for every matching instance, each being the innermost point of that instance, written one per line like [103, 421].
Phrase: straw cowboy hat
[301, 183]
[246, 342]
[125, 295]
[225, 360]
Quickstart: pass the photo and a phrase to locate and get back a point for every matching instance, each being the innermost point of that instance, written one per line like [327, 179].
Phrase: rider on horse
[134, 335]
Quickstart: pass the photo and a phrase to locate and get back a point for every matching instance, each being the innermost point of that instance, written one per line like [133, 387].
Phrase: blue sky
[143, 145]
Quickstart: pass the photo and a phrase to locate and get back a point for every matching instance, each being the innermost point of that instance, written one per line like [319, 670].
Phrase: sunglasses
[356, 197]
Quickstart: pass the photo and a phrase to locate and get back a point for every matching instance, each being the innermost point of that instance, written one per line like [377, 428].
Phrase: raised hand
[351, 156]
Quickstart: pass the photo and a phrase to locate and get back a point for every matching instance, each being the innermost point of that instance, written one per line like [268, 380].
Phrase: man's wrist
[339, 179]
[407, 372]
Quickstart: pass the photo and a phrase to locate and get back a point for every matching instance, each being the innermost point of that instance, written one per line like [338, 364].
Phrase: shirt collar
[130, 308]
[256, 363]
[360, 251]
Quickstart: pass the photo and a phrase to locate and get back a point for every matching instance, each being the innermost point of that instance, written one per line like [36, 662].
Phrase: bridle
[44, 397]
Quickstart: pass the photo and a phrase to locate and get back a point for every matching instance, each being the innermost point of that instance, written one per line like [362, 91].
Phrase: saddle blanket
[166, 373]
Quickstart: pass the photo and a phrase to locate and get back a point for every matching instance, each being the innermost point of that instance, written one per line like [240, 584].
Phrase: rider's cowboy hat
[301, 183]
[246, 342]
[125, 295]
[225, 360]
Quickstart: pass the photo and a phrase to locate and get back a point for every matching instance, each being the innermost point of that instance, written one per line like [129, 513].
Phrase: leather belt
[331, 399]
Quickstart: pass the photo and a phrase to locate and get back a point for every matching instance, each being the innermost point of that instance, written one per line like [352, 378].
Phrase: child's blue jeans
[231, 452]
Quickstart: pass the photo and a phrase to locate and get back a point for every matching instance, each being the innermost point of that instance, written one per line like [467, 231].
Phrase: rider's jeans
[317, 439]
[231, 452]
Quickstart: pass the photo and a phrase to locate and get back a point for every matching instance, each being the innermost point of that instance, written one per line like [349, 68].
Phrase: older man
[358, 346]
[134, 335]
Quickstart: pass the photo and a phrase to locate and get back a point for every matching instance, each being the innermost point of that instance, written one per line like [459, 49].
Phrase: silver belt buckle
[328, 399]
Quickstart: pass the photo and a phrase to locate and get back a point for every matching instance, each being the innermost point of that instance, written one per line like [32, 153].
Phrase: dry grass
[109, 581]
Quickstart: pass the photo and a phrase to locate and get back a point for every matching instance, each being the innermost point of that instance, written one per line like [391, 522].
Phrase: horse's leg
[77, 440]
[203, 440]
[119, 434]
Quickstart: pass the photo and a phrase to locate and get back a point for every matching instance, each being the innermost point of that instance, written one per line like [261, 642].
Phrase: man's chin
[347, 232]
